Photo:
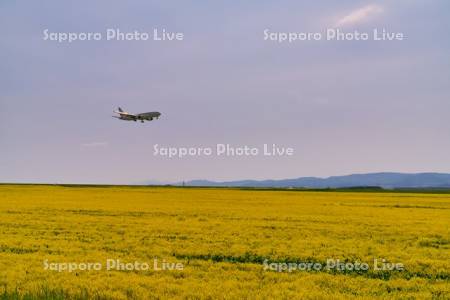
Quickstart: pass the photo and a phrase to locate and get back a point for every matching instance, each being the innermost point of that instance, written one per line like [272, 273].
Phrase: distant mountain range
[385, 180]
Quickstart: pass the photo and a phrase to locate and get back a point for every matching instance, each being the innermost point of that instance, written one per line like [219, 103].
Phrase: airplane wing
[128, 116]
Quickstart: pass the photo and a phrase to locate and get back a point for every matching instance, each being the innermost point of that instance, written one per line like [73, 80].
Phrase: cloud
[360, 15]
[94, 144]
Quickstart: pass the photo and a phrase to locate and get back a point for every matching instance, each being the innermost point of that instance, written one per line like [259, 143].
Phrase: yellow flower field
[231, 243]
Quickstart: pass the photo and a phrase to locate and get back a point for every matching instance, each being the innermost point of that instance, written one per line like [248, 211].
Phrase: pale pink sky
[345, 107]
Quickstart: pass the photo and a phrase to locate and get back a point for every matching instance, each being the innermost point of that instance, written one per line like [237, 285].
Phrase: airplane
[148, 116]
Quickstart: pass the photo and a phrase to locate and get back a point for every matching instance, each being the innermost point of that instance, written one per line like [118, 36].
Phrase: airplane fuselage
[148, 116]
